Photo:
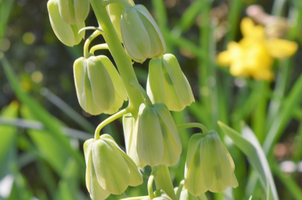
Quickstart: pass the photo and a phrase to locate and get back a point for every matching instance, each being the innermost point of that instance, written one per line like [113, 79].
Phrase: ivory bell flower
[108, 169]
[167, 83]
[253, 56]
[74, 11]
[98, 85]
[152, 139]
[141, 35]
[115, 11]
[66, 33]
[209, 165]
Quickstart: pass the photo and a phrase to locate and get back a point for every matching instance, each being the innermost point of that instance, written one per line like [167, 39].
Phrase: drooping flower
[209, 165]
[167, 83]
[115, 11]
[74, 11]
[152, 139]
[253, 55]
[108, 169]
[66, 33]
[98, 85]
[141, 36]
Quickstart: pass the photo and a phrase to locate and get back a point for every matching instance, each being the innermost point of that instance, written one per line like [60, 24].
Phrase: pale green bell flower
[167, 83]
[152, 138]
[66, 33]
[141, 36]
[130, 134]
[157, 140]
[74, 11]
[98, 85]
[115, 11]
[209, 165]
[108, 169]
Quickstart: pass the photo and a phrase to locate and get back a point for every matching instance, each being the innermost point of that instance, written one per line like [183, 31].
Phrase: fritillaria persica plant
[151, 135]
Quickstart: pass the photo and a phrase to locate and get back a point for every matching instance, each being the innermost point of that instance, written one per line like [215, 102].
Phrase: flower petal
[281, 49]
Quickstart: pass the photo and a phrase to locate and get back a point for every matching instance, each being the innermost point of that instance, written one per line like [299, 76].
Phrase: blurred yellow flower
[253, 55]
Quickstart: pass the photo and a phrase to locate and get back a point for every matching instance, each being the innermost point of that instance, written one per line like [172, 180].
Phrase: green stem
[193, 125]
[150, 186]
[163, 180]
[179, 189]
[109, 120]
[89, 40]
[98, 47]
[122, 60]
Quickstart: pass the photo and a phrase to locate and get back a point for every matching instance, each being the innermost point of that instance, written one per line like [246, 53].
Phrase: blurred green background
[38, 162]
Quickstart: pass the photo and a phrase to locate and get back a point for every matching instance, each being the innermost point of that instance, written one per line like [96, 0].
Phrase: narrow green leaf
[288, 108]
[68, 185]
[68, 110]
[39, 112]
[290, 184]
[8, 134]
[5, 8]
[47, 145]
[8, 151]
[250, 146]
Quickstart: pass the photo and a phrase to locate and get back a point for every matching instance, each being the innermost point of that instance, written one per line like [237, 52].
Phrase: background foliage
[41, 150]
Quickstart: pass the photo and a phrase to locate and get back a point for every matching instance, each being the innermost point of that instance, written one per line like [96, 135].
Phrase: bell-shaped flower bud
[66, 33]
[115, 11]
[167, 83]
[74, 11]
[142, 37]
[98, 85]
[130, 133]
[157, 140]
[108, 169]
[209, 165]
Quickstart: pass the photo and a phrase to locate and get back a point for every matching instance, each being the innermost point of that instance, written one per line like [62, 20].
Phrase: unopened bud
[66, 33]
[115, 11]
[142, 37]
[209, 165]
[74, 11]
[158, 140]
[167, 83]
[96, 91]
[108, 169]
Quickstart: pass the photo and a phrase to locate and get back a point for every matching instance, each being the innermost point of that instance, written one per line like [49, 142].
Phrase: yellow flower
[253, 55]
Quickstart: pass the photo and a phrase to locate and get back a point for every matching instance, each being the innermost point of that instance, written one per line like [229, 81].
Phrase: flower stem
[98, 47]
[122, 60]
[179, 189]
[89, 40]
[150, 186]
[163, 180]
[107, 121]
[193, 125]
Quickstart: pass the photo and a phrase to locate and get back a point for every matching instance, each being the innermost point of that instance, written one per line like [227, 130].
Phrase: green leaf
[68, 186]
[249, 145]
[5, 8]
[288, 107]
[40, 113]
[8, 136]
[8, 151]
[47, 145]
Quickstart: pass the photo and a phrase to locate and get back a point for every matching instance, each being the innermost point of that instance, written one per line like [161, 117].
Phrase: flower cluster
[151, 135]
[253, 55]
